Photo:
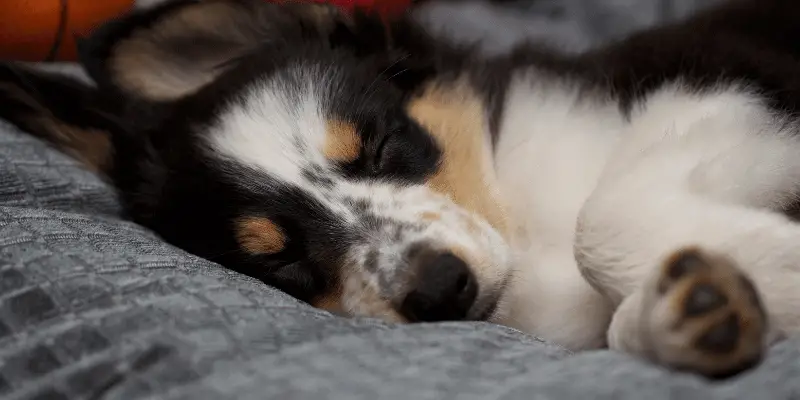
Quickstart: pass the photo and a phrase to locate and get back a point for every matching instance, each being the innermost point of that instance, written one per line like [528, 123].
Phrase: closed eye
[387, 147]
[379, 158]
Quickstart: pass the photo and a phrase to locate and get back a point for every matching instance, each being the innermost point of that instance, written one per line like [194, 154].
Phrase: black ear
[172, 50]
[400, 49]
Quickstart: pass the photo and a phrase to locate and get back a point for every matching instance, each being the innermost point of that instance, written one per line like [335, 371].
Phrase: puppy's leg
[685, 236]
[686, 281]
[697, 312]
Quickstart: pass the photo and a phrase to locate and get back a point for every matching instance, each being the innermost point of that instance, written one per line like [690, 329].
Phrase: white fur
[553, 146]
[686, 169]
[269, 132]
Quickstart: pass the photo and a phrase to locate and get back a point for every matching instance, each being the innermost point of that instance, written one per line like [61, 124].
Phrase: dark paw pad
[713, 322]
[685, 262]
[721, 337]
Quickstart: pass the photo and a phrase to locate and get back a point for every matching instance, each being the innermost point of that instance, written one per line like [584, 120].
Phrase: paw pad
[684, 262]
[709, 318]
[721, 338]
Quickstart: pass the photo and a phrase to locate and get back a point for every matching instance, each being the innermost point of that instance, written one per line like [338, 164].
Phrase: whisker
[369, 92]
[398, 73]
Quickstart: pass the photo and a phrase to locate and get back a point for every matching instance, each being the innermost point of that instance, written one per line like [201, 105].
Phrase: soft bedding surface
[92, 306]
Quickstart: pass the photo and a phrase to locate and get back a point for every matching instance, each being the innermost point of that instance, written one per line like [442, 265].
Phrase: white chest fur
[555, 144]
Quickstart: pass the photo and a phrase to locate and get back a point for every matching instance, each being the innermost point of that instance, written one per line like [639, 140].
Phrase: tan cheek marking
[455, 116]
[342, 143]
[258, 235]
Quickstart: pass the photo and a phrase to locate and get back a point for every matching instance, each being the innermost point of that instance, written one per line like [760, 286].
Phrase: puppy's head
[302, 165]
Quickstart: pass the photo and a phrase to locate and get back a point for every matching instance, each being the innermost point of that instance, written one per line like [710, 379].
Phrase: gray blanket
[92, 306]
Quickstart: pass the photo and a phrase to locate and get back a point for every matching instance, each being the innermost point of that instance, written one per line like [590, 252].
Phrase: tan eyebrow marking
[342, 143]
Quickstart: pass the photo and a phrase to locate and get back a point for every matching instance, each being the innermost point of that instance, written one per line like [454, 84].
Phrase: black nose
[444, 288]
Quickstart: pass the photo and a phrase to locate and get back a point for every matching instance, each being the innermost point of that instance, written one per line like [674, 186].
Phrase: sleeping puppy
[637, 197]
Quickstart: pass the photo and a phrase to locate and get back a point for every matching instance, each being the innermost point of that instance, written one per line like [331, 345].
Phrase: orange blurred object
[45, 30]
[29, 29]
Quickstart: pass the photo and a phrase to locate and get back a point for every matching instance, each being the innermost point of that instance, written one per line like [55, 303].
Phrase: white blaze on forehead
[273, 131]
[278, 131]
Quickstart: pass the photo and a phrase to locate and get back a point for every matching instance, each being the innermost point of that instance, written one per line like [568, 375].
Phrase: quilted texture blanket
[95, 307]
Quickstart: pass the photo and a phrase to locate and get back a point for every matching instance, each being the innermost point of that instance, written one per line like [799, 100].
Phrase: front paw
[704, 315]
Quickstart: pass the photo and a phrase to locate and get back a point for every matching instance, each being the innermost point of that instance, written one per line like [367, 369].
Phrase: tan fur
[455, 115]
[331, 301]
[430, 216]
[259, 235]
[342, 143]
[91, 147]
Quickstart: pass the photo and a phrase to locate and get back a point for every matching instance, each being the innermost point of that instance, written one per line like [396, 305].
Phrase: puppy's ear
[397, 47]
[405, 52]
[173, 50]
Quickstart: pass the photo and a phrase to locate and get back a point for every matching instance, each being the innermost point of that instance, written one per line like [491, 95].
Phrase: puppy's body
[693, 142]
[633, 197]
[679, 137]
